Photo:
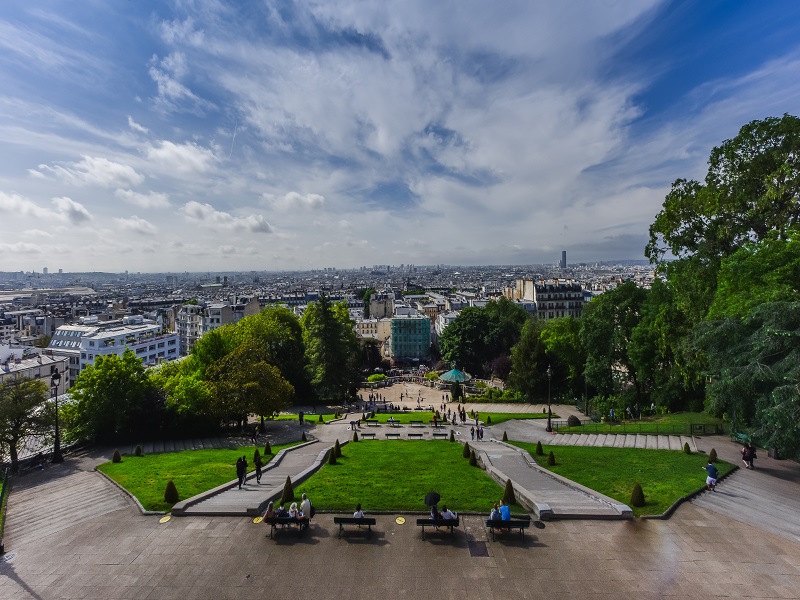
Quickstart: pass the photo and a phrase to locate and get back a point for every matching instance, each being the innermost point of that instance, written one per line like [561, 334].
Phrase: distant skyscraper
[44, 270]
[563, 259]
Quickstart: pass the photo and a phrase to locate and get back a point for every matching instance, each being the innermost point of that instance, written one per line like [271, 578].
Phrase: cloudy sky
[227, 135]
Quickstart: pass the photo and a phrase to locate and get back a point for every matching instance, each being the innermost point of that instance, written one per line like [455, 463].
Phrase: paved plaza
[72, 534]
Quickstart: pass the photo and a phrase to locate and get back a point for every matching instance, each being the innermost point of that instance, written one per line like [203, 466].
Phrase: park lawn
[677, 423]
[404, 417]
[498, 418]
[665, 475]
[193, 471]
[397, 475]
[308, 417]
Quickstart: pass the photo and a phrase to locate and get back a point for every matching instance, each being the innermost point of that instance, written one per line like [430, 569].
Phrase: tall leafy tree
[22, 414]
[529, 363]
[331, 349]
[562, 342]
[463, 341]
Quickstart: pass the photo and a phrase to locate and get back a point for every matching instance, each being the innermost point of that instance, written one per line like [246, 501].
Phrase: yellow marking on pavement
[164, 519]
[400, 520]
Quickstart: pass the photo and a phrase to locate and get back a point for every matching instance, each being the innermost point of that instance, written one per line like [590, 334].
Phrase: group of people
[500, 512]
[473, 431]
[748, 455]
[302, 514]
[241, 470]
[446, 513]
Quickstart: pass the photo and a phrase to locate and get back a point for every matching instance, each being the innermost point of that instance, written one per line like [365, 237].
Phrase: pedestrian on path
[472, 433]
[240, 471]
[711, 479]
[259, 464]
[748, 455]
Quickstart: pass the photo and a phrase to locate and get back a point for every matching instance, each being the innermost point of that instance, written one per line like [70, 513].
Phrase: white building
[24, 363]
[150, 342]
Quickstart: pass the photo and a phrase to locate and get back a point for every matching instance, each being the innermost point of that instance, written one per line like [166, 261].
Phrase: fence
[3, 492]
[589, 426]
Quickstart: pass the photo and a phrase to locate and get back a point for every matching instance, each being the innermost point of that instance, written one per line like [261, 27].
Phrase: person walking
[711, 478]
[751, 455]
[472, 433]
[240, 470]
[259, 464]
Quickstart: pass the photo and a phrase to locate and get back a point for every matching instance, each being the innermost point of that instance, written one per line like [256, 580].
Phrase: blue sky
[213, 135]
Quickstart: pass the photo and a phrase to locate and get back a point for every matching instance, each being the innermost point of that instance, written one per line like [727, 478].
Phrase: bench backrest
[280, 520]
[355, 520]
[440, 522]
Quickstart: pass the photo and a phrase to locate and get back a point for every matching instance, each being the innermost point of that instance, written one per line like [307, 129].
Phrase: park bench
[451, 523]
[437, 424]
[368, 435]
[415, 435]
[285, 522]
[342, 521]
[742, 438]
[520, 523]
[390, 436]
[393, 423]
[372, 422]
[416, 424]
[440, 435]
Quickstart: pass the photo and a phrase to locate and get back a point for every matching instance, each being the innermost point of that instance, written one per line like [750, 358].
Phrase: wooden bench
[372, 422]
[416, 435]
[519, 523]
[440, 435]
[451, 523]
[342, 521]
[390, 436]
[437, 424]
[416, 424]
[393, 423]
[368, 435]
[286, 522]
[742, 438]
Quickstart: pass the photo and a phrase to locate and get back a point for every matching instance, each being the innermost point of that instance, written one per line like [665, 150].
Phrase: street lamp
[55, 379]
[549, 427]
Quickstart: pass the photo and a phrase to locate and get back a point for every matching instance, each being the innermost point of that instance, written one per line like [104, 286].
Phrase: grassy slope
[671, 423]
[193, 471]
[396, 476]
[665, 475]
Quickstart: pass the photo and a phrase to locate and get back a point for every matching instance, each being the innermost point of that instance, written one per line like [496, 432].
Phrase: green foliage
[473, 459]
[686, 448]
[529, 363]
[288, 490]
[637, 496]
[332, 456]
[466, 452]
[432, 376]
[21, 416]
[171, 493]
[508, 494]
[114, 399]
[564, 348]
[539, 450]
[551, 459]
[116, 458]
[712, 456]
[337, 449]
[138, 451]
[376, 377]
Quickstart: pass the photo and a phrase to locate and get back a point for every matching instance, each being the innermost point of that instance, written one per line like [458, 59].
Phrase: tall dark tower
[563, 259]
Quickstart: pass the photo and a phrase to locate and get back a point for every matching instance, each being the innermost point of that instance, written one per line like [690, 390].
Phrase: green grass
[665, 475]
[677, 423]
[498, 418]
[425, 416]
[193, 471]
[405, 417]
[396, 476]
[309, 418]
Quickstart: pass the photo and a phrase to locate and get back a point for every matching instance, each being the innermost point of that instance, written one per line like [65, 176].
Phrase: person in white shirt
[447, 513]
[359, 514]
[305, 509]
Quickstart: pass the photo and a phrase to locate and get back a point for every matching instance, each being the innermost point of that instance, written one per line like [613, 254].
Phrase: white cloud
[14, 204]
[136, 127]
[184, 159]
[21, 248]
[74, 212]
[172, 94]
[207, 215]
[148, 200]
[137, 225]
[295, 201]
[94, 171]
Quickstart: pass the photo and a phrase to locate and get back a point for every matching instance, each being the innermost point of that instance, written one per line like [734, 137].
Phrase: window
[91, 344]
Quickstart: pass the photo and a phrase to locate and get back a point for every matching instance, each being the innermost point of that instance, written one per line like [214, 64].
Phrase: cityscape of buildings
[65, 321]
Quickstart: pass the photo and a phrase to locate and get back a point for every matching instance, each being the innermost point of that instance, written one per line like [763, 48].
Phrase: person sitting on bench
[281, 512]
[270, 512]
[495, 514]
[448, 514]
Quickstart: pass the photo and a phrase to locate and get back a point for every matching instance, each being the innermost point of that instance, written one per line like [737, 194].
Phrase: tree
[22, 414]
[564, 348]
[114, 399]
[529, 363]
[331, 349]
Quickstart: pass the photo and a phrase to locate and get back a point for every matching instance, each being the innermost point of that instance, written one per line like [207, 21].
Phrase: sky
[212, 135]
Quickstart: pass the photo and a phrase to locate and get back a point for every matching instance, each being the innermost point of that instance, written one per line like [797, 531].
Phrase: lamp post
[55, 379]
[549, 427]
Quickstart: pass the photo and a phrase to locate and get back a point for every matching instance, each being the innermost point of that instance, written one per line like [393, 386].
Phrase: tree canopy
[22, 414]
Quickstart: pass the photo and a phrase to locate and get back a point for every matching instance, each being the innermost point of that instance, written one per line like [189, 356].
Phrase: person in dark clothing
[240, 470]
[711, 479]
[259, 464]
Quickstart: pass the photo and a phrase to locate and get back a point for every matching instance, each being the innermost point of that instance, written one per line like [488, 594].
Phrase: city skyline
[209, 136]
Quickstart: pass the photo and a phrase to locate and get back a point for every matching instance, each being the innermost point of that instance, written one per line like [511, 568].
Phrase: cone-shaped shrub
[508, 495]
[488, 419]
[256, 457]
[171, 493]
[637, 496]
[303, 437]
[321, 420]
[452, 436]
[505, 436]
[288, 490]
[332, 456]
[355, 436]
[712, 456]
[551, 459]
[686, 449]
[138, 451]
[267, 449]
[337, 449]
[116, 458]
[473, 460]
[539, 450]
[465, 454]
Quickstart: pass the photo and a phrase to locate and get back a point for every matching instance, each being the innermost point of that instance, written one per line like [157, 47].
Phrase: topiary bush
[321, 420]
[116, 458]
[505, 436]
[267, 449]
[288, 490]
[712, 456]
[637, 496]
[465, 454]
[355, 436]
[539, 449]
[171, 493]
[473, 460]
[551, 459]
[337, 449]
[332, 456]
[686, 449]
[573, 421]
[452, 436]
[508, 495]
[488, 419]
[256, 457]
[303, 437]
[138, 451]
